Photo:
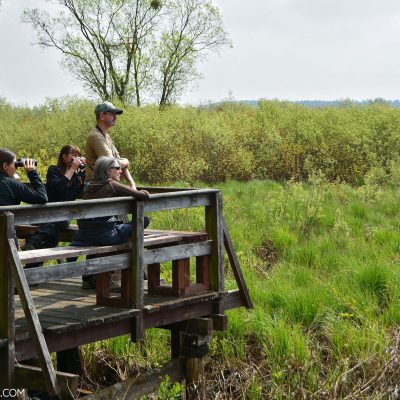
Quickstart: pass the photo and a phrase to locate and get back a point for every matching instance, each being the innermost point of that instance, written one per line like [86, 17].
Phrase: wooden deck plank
[86, 335]
[64, 306]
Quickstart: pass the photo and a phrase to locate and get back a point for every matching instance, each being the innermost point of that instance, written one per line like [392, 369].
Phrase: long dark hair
[6, 156]
[66, 150]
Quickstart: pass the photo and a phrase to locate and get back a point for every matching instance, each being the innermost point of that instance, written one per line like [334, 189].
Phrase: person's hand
[76, 162]
[29, 165]
[16, 176]
[146, 194]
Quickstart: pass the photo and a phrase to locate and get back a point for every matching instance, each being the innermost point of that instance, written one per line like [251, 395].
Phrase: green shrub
[276, 140]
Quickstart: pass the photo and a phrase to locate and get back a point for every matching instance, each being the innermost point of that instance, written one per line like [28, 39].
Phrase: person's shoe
[115, 287]
[89, 283]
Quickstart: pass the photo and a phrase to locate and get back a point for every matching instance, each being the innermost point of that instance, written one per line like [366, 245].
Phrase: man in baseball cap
[99, 142]
[106, 107]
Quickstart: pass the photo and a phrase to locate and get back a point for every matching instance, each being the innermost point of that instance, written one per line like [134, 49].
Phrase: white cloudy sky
[286, 49]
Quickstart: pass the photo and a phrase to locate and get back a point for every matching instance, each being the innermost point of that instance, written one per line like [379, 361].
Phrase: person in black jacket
[12, 191]
[64, 182]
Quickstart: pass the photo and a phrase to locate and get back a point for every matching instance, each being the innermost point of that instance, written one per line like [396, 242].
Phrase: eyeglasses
[117, 167]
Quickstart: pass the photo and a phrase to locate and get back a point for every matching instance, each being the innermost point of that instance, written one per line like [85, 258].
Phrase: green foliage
[359, 145]
[169, 391]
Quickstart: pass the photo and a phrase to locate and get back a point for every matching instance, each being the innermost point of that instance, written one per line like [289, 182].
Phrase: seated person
[105, 230]
[12, 191]
[64, 182]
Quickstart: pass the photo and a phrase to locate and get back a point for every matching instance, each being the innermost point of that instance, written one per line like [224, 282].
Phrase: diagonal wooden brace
[33, 322]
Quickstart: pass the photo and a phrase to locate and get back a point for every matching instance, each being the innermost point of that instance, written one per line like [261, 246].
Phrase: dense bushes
[276, 140]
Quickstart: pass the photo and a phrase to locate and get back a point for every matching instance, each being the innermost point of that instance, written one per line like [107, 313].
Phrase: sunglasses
[116, 167]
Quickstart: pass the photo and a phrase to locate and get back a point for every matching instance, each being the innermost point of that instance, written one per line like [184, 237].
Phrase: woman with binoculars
[12, 191]
[64, 182]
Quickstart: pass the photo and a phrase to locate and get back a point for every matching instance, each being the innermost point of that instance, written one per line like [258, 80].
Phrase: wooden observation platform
[44, 310]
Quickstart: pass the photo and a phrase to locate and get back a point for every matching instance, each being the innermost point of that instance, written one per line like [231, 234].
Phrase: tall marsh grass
[325, 323]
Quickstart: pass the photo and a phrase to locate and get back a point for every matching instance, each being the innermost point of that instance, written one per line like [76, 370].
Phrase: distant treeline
[276, 140]
[325, 103]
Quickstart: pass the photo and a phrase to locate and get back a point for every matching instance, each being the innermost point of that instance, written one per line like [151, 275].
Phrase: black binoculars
[81, 165]
[20, 162]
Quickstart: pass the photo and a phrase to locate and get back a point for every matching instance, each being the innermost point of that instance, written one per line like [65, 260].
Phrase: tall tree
[193, 29]
[132, 49]
[104, 42]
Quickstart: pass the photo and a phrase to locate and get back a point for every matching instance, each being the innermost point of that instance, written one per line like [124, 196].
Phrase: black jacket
[60, 188]
[12, 192]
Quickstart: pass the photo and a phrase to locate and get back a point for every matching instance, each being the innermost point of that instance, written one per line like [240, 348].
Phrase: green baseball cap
[106, 107]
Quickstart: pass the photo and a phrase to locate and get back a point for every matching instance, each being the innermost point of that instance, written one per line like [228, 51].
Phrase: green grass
[328, 298]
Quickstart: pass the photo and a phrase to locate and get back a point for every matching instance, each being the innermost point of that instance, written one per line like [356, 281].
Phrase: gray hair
[102, 168]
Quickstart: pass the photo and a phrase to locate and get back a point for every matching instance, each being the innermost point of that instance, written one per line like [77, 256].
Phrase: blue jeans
[120, 233]
[102, 233]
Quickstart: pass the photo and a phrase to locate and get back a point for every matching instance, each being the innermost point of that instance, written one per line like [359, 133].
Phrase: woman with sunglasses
[105, 230]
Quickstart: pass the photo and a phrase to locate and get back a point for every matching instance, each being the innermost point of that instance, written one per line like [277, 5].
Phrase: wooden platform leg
[202, 265]
[7, 330]
[215, 232]
[70, 361]
[175, 342]
[126, 287]
[180, 275]
[153, 279]
[102, 286]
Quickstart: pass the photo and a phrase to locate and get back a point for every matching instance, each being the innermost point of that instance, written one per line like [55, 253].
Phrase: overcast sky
[285, 49]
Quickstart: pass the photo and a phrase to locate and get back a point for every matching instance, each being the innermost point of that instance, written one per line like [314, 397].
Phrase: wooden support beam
[137, 268]
[33, 322]
[135, 388]
[194, 349]
[194, 370]
[7, 330]
[233, 260]
[220, 322]
[30, 377]
[178, 252]
[175, 342]
[70, 361]
[215, 233]
[200, 326]
[202, 269]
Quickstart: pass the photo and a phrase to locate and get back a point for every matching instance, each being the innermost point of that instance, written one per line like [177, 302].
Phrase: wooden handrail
[50, 212]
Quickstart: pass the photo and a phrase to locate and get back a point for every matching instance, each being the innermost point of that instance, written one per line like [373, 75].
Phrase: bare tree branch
[130, 49]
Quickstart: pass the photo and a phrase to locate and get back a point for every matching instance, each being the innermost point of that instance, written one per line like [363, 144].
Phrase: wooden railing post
[137, 266]
[7, 330]
[214, 228]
